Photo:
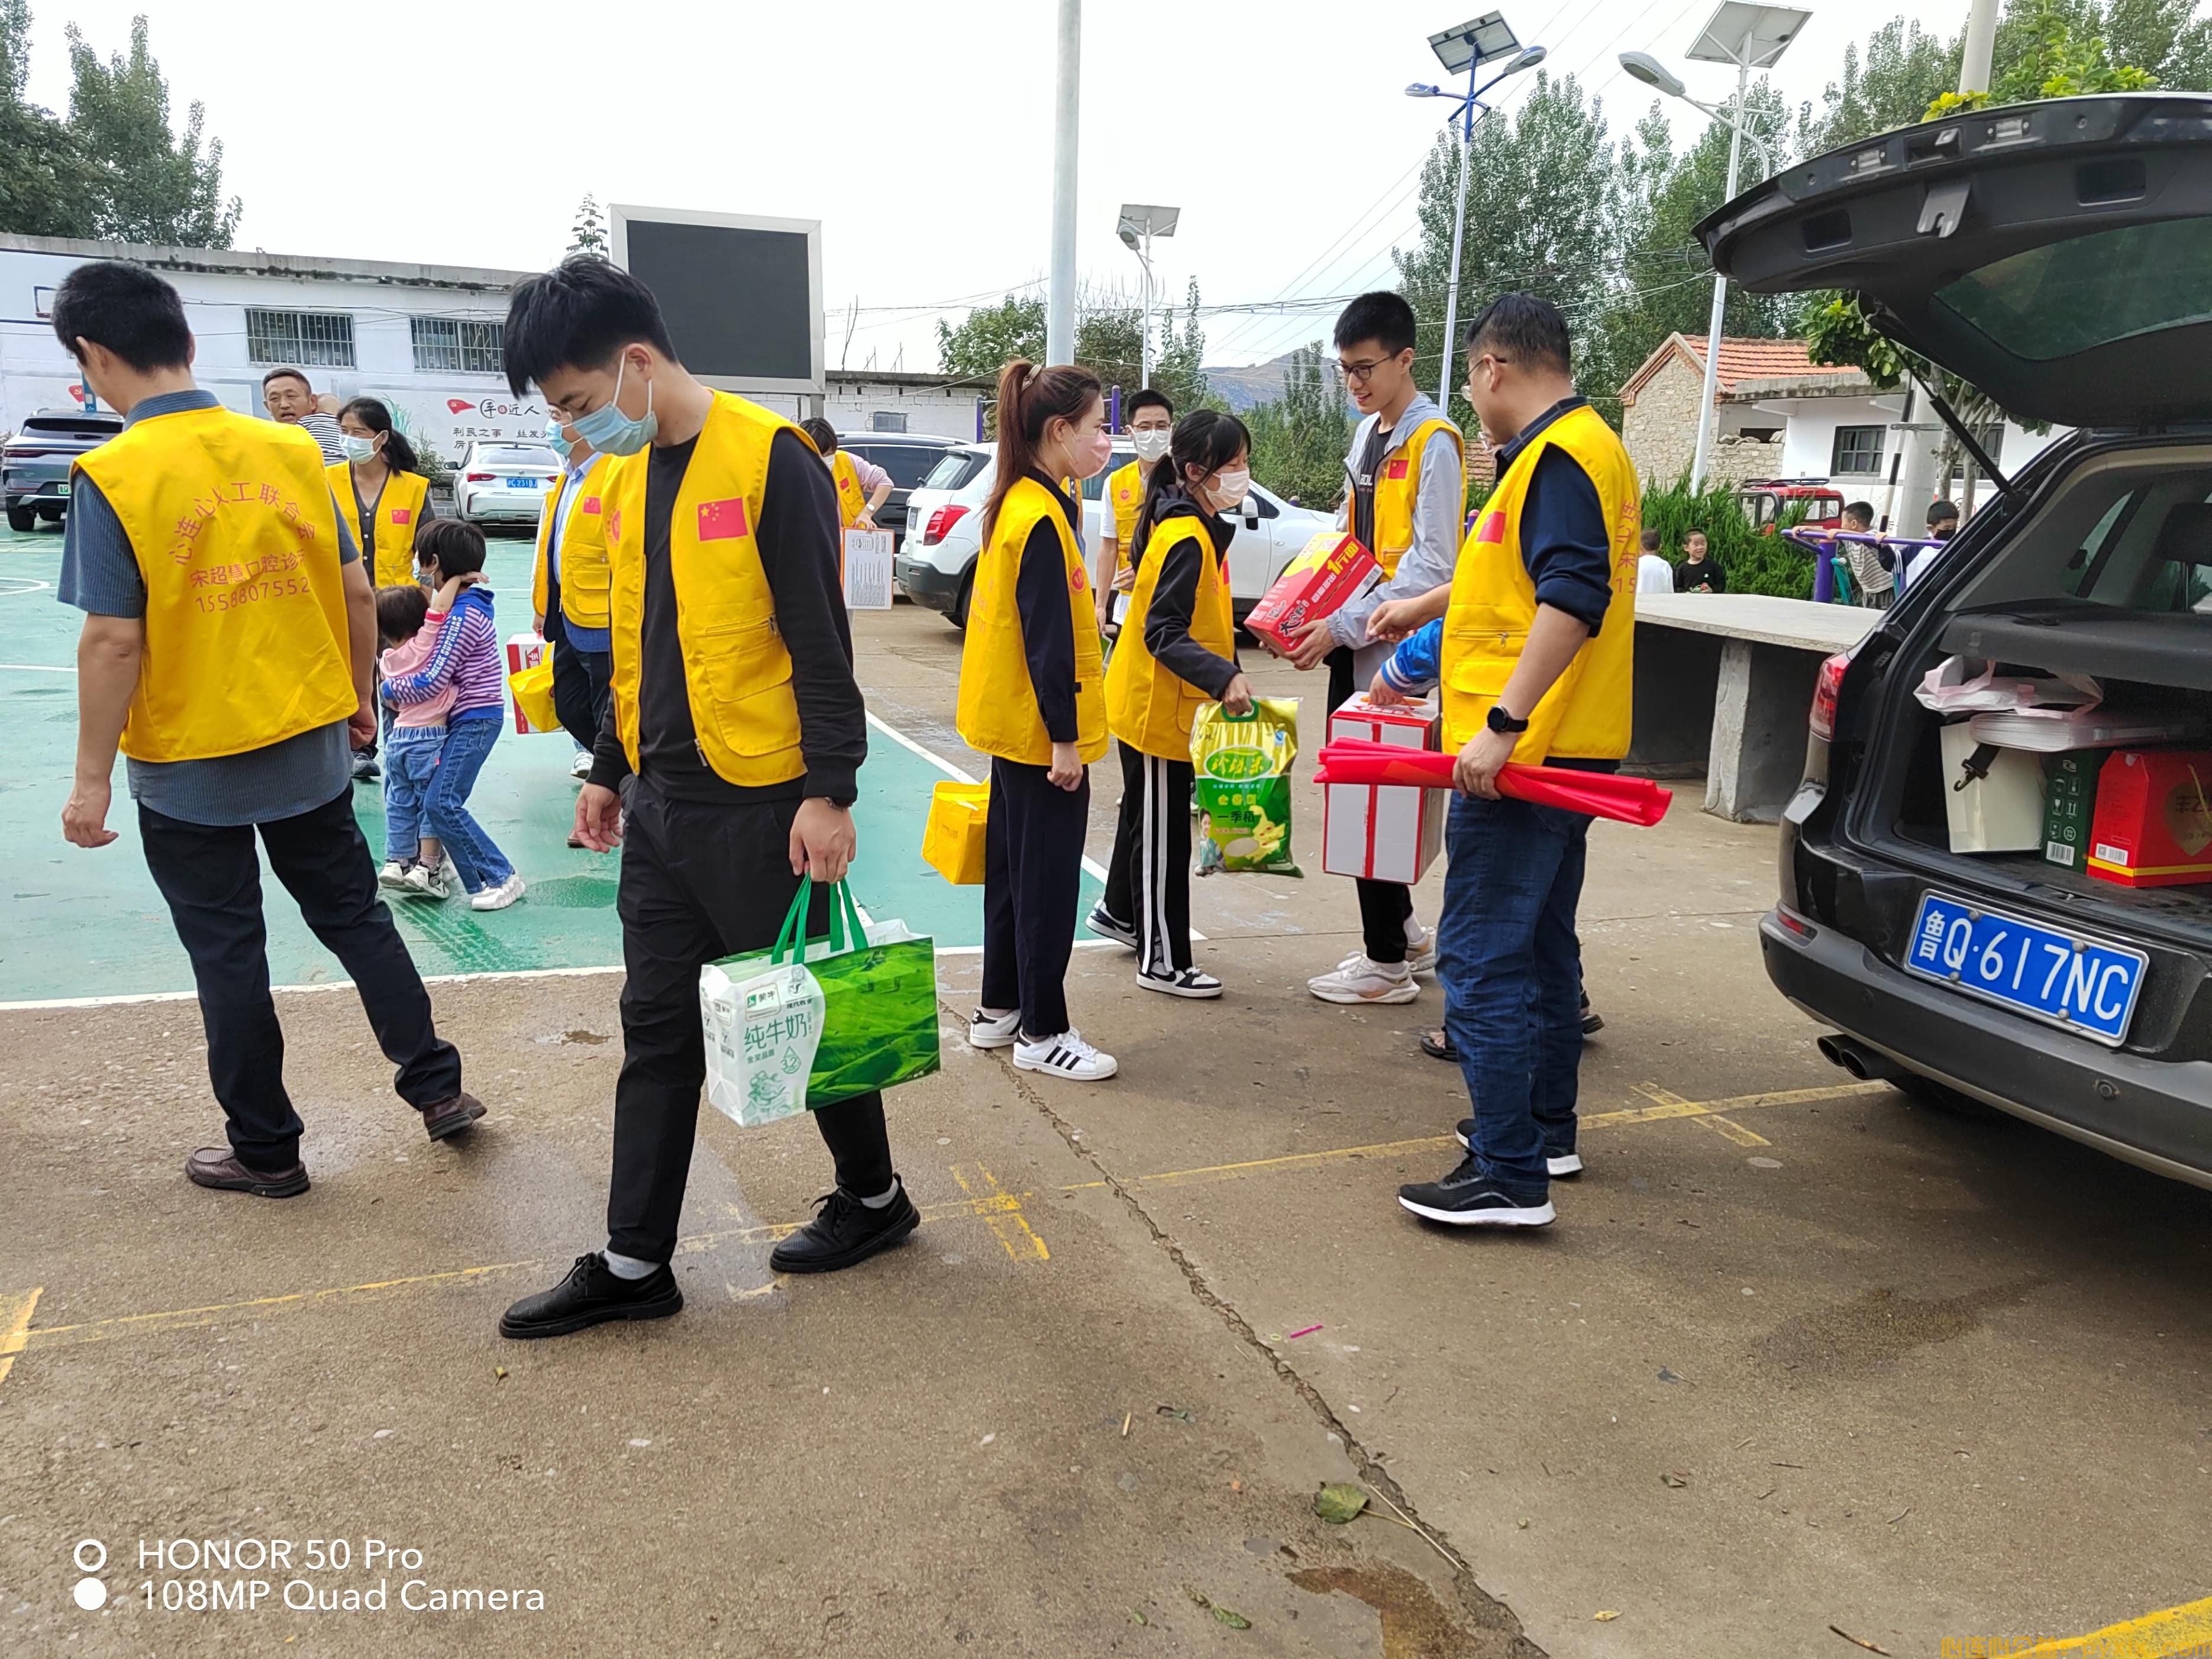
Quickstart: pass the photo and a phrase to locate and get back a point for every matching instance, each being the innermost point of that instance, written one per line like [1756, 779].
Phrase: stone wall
[1733, 459]
[1660, 428]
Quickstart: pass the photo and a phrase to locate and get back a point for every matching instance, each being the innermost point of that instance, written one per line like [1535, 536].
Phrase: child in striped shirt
[466, 660]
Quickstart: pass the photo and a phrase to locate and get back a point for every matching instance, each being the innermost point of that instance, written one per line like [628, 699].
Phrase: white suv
[936, 566]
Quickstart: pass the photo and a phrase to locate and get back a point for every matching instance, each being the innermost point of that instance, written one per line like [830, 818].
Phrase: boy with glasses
[1407, 493]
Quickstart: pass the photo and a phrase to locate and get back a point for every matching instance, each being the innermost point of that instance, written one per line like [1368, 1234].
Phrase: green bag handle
[847, 931]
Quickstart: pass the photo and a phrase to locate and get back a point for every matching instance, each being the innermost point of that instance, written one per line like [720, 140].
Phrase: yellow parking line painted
[2165, 1634]
[1672, 1107]
[1002, 1213]
[1727, 1128]
[999, 1209]
[15, 1322]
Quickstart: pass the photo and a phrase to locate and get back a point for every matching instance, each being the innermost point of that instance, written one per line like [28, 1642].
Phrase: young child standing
[1178, 649]
[1032, 698]
[409, 623]
[464, 660]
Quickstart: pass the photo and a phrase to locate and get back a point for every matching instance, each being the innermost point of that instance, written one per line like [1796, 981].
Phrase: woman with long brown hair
[1032, 698]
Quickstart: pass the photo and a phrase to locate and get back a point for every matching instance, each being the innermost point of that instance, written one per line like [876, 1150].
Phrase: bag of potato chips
[1244, 767]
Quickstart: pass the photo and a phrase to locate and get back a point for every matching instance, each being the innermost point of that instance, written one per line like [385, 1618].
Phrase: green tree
[1888, 83]
[589, 234]
[154, 185]
[1299, 439]
[991, 337]
[1542, 216]
[1108, 341]
[45, 188]
[1175, 365]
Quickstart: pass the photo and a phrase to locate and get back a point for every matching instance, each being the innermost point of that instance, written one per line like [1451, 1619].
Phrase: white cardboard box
[1384, 834]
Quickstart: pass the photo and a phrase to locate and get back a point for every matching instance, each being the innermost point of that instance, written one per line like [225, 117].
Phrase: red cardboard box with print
[1332, 568]
[2153, 826]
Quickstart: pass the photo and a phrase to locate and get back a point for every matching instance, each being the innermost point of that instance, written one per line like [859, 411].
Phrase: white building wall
[853, 402]
[1808, 437]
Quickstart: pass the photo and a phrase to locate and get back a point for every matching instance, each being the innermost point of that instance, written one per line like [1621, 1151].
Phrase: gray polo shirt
[100, 576]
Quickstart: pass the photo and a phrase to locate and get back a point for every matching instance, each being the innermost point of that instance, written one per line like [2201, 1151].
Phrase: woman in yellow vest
[381, 482]
[1178, 649]
[1031, 698]
[862, 486]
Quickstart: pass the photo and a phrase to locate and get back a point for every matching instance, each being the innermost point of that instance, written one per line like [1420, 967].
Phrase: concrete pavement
[1797, 1355]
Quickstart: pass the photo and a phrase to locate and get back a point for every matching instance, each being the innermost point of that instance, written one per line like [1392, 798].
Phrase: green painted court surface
[90, 924]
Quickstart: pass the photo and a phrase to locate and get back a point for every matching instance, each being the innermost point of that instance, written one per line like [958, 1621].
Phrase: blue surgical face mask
[556, 436]
[357, 450]
[610, 431]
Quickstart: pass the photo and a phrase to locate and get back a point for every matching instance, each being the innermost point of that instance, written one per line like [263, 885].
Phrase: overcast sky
[921, 135]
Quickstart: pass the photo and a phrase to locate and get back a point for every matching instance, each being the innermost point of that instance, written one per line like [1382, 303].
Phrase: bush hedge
[1754, 561]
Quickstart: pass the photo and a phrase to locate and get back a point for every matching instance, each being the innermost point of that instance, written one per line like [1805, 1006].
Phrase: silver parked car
[35, 463]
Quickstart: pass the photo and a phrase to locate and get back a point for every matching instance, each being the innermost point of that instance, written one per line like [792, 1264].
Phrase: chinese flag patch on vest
[722, 521]
[1492, 529]
[590, 504]
[402, 515]
[1395, 468]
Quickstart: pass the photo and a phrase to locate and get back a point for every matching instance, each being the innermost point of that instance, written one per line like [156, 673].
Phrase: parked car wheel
[958, 615]
[22, 518]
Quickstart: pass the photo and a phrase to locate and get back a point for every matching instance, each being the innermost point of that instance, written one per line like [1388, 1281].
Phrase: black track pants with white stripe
[1148, 883]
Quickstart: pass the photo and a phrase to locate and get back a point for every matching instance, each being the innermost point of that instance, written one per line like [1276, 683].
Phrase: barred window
[455, 345]
[887, 420]
[307, 339]
[1859, 452]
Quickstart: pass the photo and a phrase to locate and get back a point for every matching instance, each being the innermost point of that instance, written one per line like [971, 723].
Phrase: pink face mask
[1091, 456]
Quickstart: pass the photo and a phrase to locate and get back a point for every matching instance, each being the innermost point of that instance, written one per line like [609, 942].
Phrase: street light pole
[1060, 302]
[1145, 343]
[1459, 235]
[1708, 411]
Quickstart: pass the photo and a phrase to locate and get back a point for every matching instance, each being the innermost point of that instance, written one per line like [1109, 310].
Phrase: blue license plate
[2082, 985]
[522, 483]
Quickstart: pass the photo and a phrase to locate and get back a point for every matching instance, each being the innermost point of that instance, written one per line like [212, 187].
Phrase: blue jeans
[1511, 970]
[445, 808]
[411, 763]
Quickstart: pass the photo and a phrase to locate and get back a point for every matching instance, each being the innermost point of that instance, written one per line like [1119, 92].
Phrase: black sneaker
[845, 1232]
[1560, 1166]
[365, 768]
[1180, 982]
[592, 1294]
[1103, 922]
[1467, 1198]
[1592, 1023]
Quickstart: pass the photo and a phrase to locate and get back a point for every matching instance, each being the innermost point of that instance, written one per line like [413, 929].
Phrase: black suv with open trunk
[2057, 255]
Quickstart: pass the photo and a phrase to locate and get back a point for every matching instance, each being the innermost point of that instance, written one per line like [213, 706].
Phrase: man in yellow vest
[1405, 497]
[1150, 419]
[1534, 655]
[728, 765]
[229, 634]
[568, 591]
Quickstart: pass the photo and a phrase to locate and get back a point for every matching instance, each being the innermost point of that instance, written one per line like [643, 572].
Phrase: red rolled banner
[1598, 795]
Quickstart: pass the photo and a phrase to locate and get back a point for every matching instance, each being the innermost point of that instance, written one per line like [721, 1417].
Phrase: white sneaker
[421, 881]
[1180, 982]
[393, 875]
[1356, 979]
[1420, 948]
[1066, 1056]
[499, 897]
[582, 766]
[989, 1031]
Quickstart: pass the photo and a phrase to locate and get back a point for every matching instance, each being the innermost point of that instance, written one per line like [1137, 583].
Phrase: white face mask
[357, 450]
[1228, 488]
[1150, 443]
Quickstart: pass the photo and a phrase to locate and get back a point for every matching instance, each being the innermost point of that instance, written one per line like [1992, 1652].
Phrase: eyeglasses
[1360, 373]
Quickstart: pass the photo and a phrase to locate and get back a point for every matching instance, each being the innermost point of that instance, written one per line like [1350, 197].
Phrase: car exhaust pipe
[1867, 1065]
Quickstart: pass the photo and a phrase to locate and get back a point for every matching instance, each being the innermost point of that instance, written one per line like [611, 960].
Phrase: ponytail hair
[1208, 439]
[1029, 398]
[398, 454]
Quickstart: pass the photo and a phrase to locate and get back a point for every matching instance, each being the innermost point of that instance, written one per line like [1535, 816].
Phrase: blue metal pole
[1114, 410]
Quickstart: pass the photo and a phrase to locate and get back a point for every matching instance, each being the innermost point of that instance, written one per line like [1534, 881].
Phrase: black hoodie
[1174, 591]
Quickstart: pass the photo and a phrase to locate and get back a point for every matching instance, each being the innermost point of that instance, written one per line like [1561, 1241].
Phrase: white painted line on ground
[35, 667]
[16, 586]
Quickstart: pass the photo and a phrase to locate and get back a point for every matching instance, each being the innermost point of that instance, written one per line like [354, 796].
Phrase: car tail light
[481, 478]
[941, 523]
[1826, 686]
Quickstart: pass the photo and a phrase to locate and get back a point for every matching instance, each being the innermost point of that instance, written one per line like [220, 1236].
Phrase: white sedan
[503, 483]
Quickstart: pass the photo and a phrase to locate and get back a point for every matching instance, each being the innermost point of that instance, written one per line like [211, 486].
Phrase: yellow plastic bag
[533, 695]
[952, 839]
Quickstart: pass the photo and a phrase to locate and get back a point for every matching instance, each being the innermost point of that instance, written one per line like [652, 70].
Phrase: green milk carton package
[2069, 805]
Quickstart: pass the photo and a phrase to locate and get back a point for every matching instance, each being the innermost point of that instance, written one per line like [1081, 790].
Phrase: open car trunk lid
[2057, 255]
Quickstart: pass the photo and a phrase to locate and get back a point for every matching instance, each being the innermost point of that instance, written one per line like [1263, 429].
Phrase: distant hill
[1258, 383]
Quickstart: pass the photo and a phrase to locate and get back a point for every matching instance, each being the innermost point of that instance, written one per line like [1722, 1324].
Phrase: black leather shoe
[218, 1167]
[845, 1231]
[592, 1294]
[452, 1117]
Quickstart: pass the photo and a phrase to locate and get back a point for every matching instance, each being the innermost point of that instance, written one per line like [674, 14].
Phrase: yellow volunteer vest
[1398, 485]
[851, 498]
[231, 523]
[1147, 707]
[1586, 714]
[399, 516]
[580, 509]
[998, 709]
[1126, 491]
[736, 670]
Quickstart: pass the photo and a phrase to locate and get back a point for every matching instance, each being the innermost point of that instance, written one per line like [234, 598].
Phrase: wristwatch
[1501, 722]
